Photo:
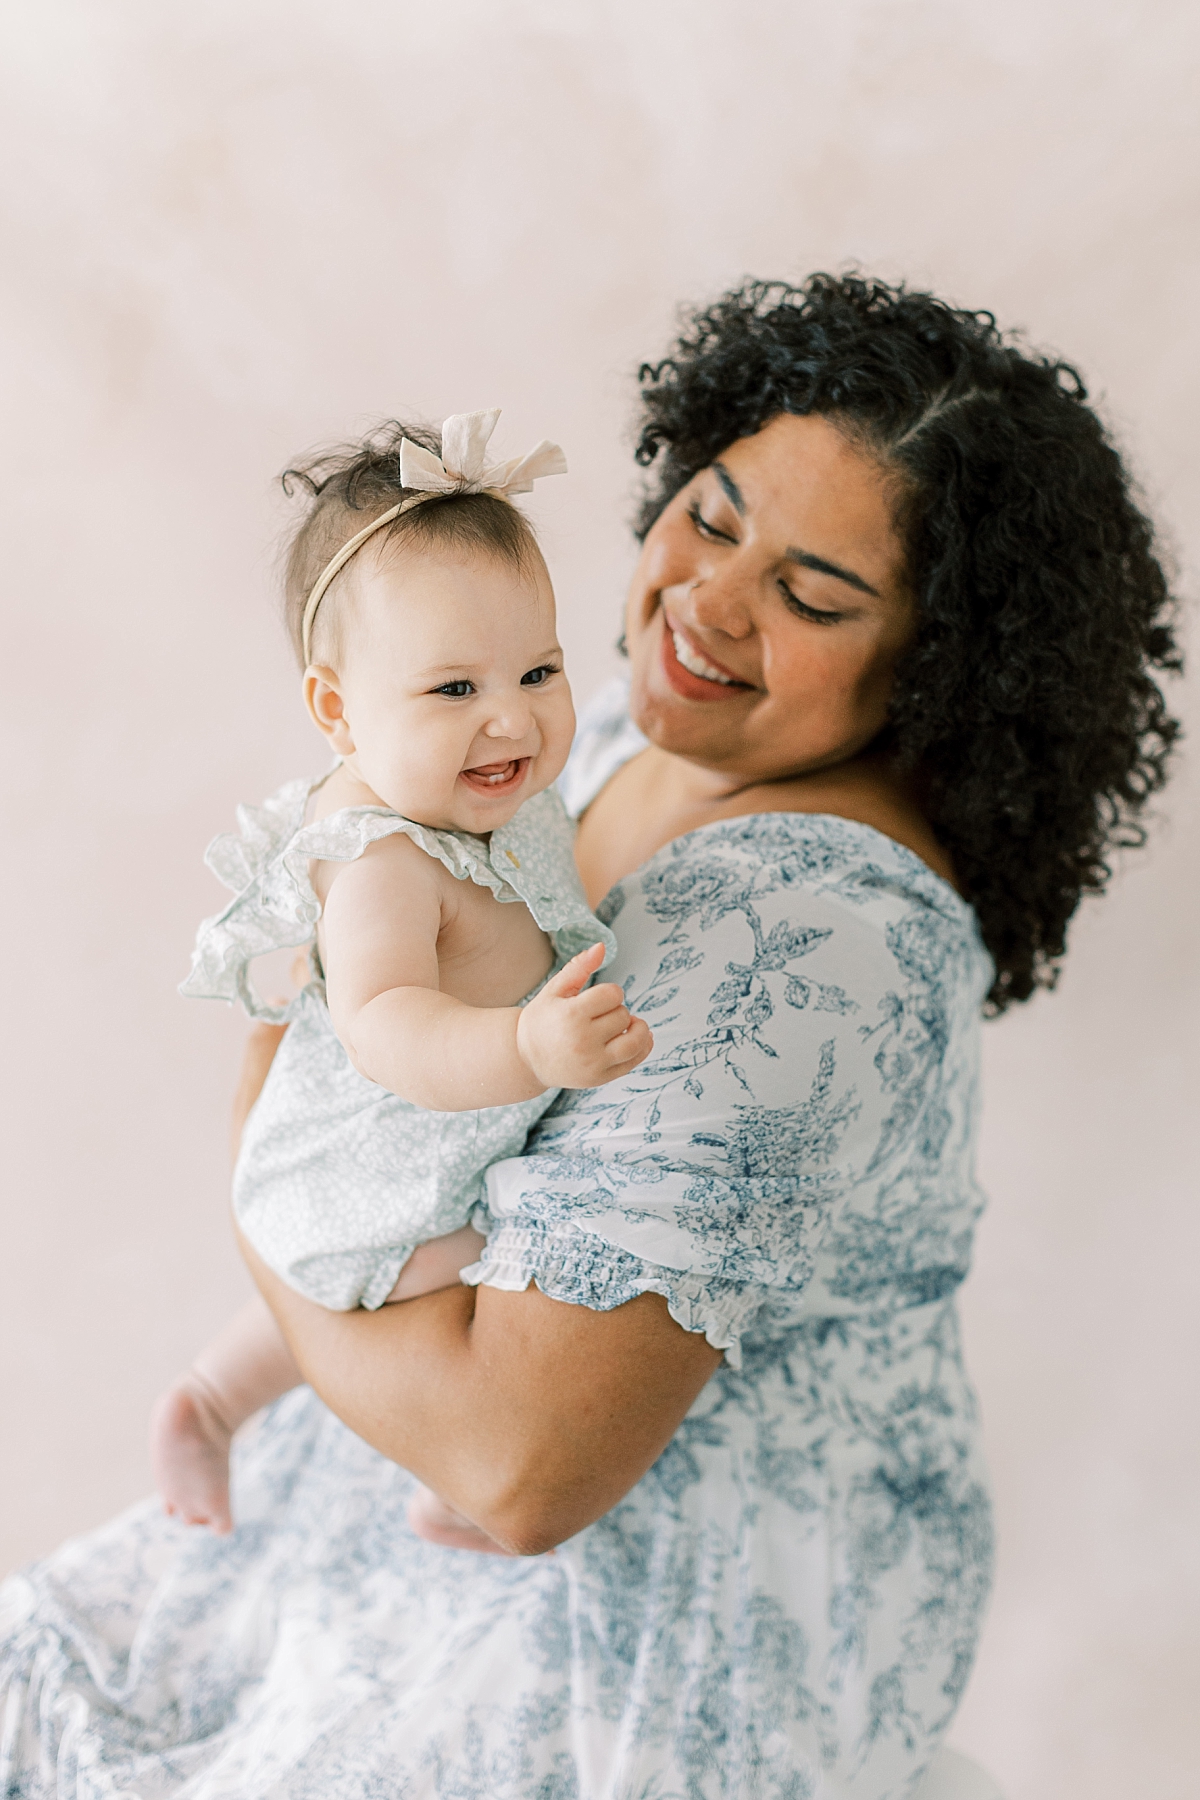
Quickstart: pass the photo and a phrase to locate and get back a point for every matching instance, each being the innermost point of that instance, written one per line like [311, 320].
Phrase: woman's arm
[531, 1416]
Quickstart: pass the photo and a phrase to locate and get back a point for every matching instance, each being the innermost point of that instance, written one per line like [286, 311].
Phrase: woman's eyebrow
[730, 485]
[804, 557]
[808, 561]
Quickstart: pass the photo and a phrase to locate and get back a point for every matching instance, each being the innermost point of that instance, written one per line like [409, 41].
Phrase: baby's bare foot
[189, 1453]
[431, 1518]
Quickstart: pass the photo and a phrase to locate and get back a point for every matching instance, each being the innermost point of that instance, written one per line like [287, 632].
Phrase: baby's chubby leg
[245, 1367]
[438, 1263]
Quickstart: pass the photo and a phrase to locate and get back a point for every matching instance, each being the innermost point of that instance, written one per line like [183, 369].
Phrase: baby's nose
[513, 718]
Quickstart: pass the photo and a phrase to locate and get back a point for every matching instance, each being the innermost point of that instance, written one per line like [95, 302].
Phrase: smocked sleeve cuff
[582, 1269]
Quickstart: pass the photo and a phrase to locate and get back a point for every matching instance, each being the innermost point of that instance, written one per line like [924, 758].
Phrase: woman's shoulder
[871, 901]
[817, 852]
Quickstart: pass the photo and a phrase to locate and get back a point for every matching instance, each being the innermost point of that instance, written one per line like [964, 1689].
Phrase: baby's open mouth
[497, 777]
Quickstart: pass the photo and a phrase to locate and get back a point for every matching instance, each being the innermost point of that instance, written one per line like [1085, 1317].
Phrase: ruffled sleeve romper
[338, 1179]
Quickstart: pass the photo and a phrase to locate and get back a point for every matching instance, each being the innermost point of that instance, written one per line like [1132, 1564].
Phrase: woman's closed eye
[802, 609]
[793, 601]
[707, 530]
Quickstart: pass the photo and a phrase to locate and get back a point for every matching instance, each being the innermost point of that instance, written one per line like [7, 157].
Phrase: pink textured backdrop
[231, 231]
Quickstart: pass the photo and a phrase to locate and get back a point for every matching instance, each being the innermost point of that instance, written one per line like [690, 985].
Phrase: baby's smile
[497, 777]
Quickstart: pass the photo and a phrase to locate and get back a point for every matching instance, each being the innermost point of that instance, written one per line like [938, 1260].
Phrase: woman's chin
[680, 727]
[675, 708]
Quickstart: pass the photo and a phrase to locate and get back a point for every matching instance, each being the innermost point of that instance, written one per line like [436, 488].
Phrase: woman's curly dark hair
[1026, 705]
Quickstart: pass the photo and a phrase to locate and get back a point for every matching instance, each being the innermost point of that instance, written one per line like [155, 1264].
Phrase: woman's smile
[691, 671]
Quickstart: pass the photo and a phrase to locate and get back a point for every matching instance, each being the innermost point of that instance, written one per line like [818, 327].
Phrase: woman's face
[769, 606]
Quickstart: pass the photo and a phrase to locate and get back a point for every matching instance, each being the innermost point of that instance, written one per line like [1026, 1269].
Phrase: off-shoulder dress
[786, 1606]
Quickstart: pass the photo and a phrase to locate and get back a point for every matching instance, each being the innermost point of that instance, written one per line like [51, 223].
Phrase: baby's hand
[575, 1036]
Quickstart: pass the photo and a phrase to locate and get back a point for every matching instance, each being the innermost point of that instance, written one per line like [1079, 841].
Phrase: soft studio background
[235, 230]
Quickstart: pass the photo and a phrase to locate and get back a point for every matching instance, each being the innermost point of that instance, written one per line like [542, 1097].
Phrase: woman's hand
[530, 1416]
[574, 1036]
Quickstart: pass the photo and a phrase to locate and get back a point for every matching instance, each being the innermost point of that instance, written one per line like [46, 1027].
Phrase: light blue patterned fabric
[786, 1606]
[338, 1179]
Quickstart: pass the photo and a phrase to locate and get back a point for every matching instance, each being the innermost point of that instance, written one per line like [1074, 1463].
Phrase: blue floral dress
[786, 1606]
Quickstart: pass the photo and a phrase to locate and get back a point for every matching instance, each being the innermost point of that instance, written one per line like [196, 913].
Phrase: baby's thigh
[438, 1263]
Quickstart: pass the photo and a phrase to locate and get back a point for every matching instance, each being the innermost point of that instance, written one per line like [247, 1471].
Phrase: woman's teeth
[695, 663]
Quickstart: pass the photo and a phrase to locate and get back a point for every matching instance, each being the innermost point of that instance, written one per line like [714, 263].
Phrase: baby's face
[452, 687]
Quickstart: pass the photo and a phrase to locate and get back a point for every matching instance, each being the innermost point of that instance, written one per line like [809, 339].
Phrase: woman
[891, 643]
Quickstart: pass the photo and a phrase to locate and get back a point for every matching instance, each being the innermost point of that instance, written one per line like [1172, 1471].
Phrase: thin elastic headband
[338, 563]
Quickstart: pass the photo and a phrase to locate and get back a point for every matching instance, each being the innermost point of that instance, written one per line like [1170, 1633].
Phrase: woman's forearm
[531, 1416]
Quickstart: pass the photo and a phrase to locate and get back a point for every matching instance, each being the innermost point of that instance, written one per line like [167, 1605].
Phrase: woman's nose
[719, 601]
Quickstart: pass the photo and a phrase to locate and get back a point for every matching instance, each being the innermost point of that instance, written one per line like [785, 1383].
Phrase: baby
[431, 875]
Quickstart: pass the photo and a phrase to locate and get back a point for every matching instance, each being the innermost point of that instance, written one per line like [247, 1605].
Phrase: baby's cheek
[558, 728]
[422, 770]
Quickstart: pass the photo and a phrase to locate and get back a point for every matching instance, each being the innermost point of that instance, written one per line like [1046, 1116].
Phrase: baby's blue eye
[455, 690]
[539, 676]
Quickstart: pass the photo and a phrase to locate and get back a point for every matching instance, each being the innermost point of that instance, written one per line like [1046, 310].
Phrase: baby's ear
[323, 698]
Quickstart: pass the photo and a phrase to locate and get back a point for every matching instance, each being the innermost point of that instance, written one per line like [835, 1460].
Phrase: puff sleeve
[793, 994]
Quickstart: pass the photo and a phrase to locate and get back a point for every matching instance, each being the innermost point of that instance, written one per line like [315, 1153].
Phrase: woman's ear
[323, 698]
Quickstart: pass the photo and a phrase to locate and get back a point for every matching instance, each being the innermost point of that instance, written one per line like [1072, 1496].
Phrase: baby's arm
[380, 931]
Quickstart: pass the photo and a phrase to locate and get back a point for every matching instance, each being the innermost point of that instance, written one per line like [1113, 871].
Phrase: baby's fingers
[601, 1000]
[631, 1046]
[574, 976]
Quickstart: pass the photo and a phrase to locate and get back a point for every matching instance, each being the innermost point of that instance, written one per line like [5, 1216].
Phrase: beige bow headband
[461, 469]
